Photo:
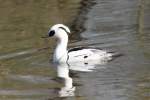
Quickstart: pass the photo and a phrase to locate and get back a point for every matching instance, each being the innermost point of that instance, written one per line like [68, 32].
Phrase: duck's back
[85, 54]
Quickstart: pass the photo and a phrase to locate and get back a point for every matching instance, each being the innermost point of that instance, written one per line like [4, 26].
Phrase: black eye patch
[51, 33]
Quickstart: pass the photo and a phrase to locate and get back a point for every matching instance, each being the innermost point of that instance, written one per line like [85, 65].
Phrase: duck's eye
[51, 33]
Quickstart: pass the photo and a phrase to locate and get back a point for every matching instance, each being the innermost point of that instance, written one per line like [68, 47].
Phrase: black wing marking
[80, 48]
[75, 49]
[85, 56]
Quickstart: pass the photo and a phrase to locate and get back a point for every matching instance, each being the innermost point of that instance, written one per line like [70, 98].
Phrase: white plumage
[88, 54]
[77, 54]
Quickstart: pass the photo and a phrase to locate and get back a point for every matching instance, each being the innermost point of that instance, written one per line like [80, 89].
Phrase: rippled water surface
[27, 72]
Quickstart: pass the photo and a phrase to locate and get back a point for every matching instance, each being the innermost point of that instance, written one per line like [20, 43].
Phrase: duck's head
[59, 31]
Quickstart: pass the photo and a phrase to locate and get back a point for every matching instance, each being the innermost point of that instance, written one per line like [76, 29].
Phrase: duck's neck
[60, 54]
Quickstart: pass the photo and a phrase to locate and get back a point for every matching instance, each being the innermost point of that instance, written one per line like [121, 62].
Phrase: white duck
[77, 54]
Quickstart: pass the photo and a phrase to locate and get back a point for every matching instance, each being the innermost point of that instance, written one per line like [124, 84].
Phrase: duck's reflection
[63, 72]
[68, 88]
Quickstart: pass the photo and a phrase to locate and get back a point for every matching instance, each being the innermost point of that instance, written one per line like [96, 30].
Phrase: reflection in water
[63, 72]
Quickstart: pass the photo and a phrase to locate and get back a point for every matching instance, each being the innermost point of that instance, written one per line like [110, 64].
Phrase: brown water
[118, 25]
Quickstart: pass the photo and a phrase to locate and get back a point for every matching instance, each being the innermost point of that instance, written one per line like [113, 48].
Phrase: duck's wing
[83, 53]
[78, 54]
[81, 48]
[90, 53]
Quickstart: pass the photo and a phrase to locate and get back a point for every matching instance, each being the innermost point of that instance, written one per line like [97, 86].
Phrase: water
[116, 25]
